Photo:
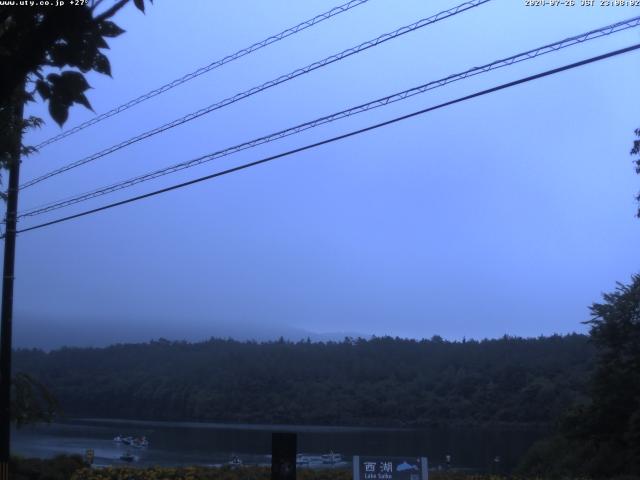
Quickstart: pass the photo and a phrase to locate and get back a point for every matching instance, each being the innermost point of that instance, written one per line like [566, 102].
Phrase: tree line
[380, 381]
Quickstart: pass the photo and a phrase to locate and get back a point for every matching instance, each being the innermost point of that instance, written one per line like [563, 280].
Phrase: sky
[506, 214]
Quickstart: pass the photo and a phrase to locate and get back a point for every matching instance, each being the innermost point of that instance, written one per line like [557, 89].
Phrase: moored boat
[137, 442]
[332, 457]
[306, 459]
[127, 457]
[140, 442]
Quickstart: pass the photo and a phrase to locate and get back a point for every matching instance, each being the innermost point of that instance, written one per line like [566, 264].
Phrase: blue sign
[390, 468]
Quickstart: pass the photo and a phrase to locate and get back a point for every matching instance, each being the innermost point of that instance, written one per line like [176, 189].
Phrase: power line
[530, 54]
[340, 137]
[272, 83]
[212, 66]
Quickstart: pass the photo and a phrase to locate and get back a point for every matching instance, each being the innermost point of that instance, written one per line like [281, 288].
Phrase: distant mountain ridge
[29, 332]
[381, 381]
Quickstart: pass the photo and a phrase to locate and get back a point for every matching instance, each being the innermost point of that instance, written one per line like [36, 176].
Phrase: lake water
[185, 443]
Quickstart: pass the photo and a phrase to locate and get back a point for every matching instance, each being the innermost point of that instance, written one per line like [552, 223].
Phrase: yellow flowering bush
[244, 473]
[201, 473]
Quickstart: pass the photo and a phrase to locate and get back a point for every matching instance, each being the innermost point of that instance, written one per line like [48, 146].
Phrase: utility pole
[14, 127]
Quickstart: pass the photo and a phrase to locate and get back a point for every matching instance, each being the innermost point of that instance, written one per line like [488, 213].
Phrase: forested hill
[382, 381]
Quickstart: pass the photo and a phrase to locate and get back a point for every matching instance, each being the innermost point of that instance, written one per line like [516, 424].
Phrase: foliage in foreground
[72, 467]
[602, 438]
[61, 467]
[38, 39]
[31, 401]
[201, 473]
[245, 473]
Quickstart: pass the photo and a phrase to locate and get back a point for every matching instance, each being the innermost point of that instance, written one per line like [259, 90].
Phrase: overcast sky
[506, 214]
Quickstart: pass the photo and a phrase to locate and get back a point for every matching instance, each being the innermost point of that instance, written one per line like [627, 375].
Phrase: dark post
[283, 456]
[14, 123]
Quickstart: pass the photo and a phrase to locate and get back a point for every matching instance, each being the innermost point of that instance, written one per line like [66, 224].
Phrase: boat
[306, 459]
[235, 462]
[331, 457]
[140, 442]
[137, 442]
[302, 459]
[127, 457]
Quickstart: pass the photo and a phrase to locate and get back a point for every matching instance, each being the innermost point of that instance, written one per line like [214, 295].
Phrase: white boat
[332, 458]
[124, 440]
[303, 458]
[235, 462]
[137, 442]
[308, 459]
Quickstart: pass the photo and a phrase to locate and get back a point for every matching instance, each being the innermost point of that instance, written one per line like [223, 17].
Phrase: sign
[390, 468]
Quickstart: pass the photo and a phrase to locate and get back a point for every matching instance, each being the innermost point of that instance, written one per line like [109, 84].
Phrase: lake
[187, 443]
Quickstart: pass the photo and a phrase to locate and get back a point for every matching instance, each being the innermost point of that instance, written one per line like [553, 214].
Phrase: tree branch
[112, 11]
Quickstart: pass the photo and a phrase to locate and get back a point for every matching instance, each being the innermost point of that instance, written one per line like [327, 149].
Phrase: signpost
[390, 468]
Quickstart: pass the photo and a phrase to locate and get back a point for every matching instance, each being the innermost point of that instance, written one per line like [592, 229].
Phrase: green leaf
[101, 42]
[58, 111]
[82, 100]
[110, 29]
[28, 150]
[66, 89]
[60, 55]
[32, 122]
[43, 89]
[101, 64]
[74, 81]
[53, 78]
